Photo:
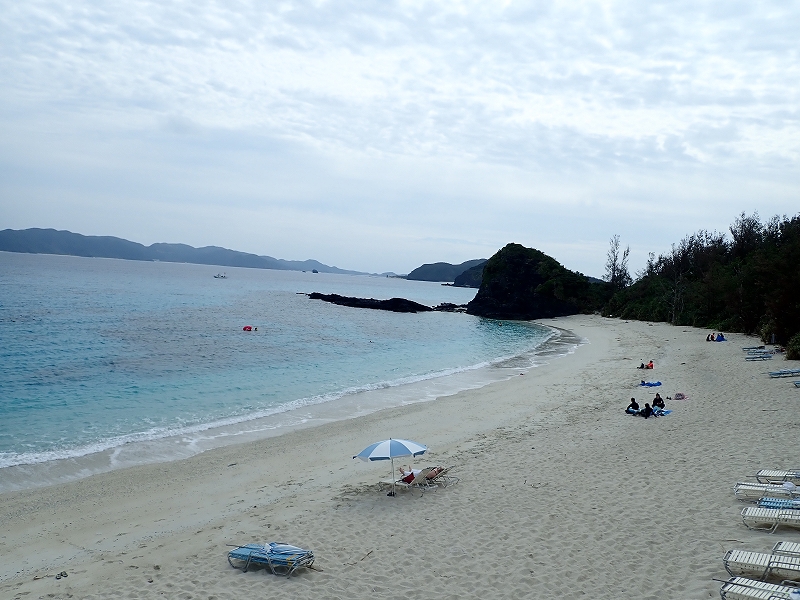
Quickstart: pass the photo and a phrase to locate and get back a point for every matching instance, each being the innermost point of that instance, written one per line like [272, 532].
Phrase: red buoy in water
[247, 328]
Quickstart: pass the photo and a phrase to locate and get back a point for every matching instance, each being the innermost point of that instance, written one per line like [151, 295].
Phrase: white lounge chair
[768, 519]
[762, 565]
[750, 491]
[778, 476]
[444, 478]
[787, 548]
[741, 588]
[785, 373]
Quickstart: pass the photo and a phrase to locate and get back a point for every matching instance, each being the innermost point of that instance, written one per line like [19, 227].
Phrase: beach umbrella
[389, 450]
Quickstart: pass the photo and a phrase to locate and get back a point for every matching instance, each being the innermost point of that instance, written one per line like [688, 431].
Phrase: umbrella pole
[392, 476]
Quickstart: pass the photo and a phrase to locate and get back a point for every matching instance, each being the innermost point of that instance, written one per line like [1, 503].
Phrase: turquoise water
[99, 354]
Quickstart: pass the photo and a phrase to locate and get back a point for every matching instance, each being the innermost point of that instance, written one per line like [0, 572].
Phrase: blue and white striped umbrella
[389, 450]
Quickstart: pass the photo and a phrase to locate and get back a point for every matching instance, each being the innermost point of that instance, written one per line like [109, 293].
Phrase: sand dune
[562, 495]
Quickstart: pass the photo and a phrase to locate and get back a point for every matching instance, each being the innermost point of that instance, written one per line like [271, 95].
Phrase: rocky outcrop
[393, 304]
[524, 283]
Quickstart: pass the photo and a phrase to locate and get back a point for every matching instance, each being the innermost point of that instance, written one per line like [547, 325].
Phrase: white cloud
[417, 122]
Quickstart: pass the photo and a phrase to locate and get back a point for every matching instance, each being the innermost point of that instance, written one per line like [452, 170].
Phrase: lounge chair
[787, 548]
[741, 588]
[797, 384]
[749, 348]
[281, 559]
[768, 519]
[420, 482]
[789, 503]
[785, 373]
[778, 476]
[761, 565]
[758, 357]
[444, 478]
[750, 491]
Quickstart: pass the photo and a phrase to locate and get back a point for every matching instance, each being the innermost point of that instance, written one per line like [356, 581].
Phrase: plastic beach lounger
[761, 565]
[741, 588]
[787, 549]
[789, 503]
[758, 357]
[785, 373]
[768, 519]
[281, 559]
[778, 476]
[750, 491]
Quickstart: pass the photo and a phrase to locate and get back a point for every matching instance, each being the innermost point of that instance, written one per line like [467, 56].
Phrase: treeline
[749, 283]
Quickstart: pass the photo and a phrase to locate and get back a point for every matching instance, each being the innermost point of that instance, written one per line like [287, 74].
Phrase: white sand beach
[562, 495]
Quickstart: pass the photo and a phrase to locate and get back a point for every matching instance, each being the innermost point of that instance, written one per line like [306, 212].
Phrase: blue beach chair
[281, 559]
[767, 502]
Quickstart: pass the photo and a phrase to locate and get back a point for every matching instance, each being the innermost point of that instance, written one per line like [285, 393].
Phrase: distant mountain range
[445, 272]
[51, 241]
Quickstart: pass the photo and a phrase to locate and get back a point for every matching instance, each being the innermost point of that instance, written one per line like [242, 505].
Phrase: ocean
[109, 363]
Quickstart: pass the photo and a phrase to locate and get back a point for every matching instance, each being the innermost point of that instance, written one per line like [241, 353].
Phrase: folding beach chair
[768, 519]
[741, 588]
[281, 559]
[750, 491]
[778, 476]
[761, 565]
[797, 384]
[420, 482]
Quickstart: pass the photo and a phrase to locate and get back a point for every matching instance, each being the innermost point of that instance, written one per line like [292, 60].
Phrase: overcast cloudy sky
[381, 135]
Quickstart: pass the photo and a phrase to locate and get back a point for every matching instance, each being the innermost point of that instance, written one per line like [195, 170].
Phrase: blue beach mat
[650, 384]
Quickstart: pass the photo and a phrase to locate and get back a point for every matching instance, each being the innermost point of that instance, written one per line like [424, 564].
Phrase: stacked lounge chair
[281, 559]
[741, 588]
[782, 564]
[750, 491]
[769, 519]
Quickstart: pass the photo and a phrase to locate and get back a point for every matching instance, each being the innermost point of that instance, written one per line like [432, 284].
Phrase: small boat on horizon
[220, 276]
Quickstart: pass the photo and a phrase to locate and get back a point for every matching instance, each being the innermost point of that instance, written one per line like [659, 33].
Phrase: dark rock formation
[394, 304]
[471, 278]
[523, 283]
[442, 271]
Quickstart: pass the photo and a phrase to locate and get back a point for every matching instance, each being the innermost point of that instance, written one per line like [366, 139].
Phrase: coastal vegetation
[748, 282]
[442, 271]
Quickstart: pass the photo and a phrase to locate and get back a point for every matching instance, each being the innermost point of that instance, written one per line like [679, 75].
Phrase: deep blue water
[97, 353]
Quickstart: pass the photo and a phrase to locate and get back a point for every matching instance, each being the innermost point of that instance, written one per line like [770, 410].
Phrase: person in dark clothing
[647, 411]
[633, 407]
[658, 401]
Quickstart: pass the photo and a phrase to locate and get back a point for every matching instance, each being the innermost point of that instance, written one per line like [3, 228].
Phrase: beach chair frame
[444, 478]
[420, 482]
[263, 555]
[787, 548]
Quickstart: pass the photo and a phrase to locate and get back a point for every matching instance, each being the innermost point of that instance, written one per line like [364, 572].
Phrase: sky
[379, 136]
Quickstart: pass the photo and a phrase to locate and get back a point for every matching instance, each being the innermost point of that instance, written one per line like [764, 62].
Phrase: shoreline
[580, 495]
[344, 405]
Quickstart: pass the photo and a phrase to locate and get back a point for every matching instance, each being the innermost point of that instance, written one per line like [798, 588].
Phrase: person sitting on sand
[649, 365]
[633, 407]
[658, 401]
[708, 337]
[647, 411]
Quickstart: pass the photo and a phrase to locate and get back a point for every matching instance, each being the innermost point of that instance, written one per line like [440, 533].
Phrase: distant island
[448, 273]
[51, 241]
